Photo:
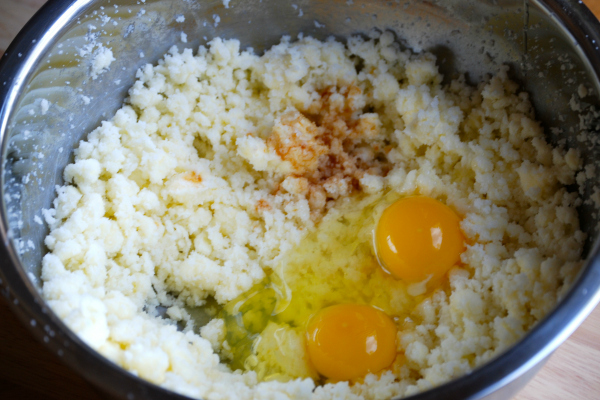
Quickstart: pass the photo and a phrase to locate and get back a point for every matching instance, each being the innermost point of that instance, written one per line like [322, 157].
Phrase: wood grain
[13, 15]
[29, 371]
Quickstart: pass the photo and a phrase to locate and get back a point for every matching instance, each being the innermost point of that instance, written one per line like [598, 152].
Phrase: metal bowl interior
[550, 47]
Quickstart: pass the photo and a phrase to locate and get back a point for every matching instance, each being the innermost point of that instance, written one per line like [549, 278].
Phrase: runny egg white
[335, 303]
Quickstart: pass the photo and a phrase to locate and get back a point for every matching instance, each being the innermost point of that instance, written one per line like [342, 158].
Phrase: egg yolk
[347, 341]
[418, 239]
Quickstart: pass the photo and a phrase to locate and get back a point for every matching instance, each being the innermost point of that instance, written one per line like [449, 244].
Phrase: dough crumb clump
[220, 163]
[101, 59]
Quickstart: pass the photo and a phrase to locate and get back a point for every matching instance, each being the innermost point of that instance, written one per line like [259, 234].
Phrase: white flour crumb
[226, 3]
[217, 19]
[590, 171]
[44, 106]
[48, 215]
[582, 91]
[101, 60]
[180, 19]
[183, 37]
[575, 104]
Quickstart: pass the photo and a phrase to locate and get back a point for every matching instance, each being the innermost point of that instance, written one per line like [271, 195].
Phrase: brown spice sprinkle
[331, 145]
[262, 205]
[193, 177]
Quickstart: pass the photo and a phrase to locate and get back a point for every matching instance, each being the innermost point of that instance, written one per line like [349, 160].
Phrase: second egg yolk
[418, 239]
[347, 341]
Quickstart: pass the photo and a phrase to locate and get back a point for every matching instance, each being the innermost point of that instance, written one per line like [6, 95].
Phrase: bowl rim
[16, 65]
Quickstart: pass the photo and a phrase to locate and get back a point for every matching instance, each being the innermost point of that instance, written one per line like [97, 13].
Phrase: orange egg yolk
[347, 341]
[418, 239]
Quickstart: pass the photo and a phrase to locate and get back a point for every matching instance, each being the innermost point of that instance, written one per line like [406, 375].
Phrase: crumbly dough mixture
[221, 162]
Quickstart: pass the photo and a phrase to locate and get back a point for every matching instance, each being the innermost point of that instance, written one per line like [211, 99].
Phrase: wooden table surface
[29, 371]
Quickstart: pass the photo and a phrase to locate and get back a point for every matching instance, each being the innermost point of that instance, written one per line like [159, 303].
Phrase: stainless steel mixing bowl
[551, 47]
